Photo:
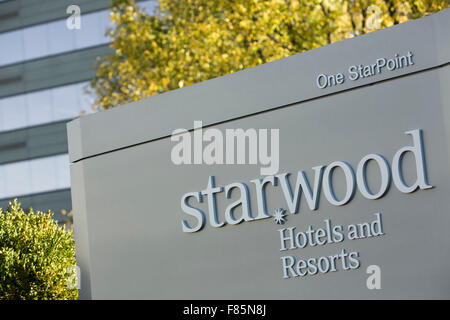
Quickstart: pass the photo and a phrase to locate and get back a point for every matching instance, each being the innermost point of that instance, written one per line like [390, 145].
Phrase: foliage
[68, 220]
[189, 41]
[35, 254]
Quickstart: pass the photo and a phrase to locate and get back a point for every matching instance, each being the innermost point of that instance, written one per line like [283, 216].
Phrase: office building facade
[45, 68]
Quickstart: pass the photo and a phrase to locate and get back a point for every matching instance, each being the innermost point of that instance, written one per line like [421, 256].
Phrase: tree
[184, 42]
[37, 257]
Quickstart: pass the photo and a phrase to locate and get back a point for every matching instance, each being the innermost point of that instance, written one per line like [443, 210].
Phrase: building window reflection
[45, 106]
[34, 176]
[54, 37]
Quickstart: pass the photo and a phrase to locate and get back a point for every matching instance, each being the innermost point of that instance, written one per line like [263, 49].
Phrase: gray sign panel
[352, 204]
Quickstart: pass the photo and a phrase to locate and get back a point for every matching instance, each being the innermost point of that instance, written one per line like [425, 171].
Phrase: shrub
[35, 256]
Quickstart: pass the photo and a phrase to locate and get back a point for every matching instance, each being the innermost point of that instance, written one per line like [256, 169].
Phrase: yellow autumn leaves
[189, 41]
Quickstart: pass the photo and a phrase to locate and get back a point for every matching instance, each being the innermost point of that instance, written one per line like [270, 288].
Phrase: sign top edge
[422, 43]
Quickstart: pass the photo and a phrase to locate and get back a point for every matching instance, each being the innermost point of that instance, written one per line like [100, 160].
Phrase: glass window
[63, 171]
[2, 182]
[104, 23]
[85, 99]
[65, 102]
[35, 41]
[54, 37]
[1, 115]
[88, 34]
[61, 38]
[17, 178]
[39, 107]
[14, 113]
[11, 47]
[34, 176]
[43, 174]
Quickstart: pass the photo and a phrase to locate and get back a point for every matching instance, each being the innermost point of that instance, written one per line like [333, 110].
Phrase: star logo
[279, 216]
